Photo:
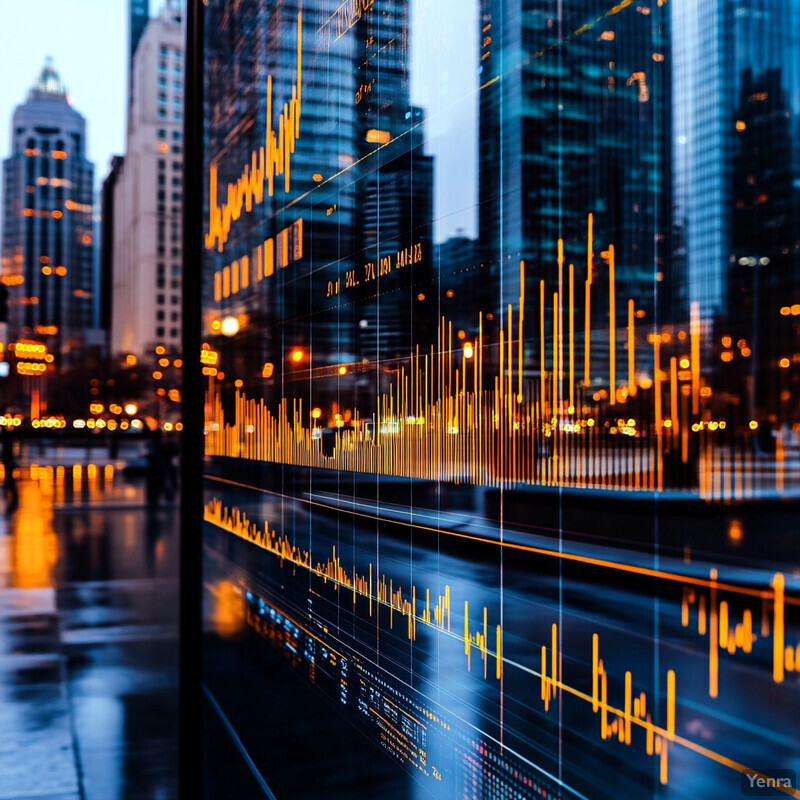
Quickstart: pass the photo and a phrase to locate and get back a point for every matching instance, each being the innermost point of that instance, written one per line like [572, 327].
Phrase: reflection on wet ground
[88, 634]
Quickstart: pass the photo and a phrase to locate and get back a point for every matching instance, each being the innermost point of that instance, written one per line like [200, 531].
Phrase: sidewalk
[88, 642]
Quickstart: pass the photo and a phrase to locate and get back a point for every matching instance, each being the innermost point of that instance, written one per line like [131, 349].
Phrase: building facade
[737, 191]
[579, 126]
[148, 196]
[48, 237]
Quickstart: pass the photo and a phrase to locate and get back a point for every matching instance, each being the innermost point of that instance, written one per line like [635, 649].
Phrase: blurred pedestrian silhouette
[9, 482]
[113, 444]
[156, 468]
[170, 451]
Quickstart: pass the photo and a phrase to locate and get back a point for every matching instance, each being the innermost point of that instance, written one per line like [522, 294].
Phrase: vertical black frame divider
[191, 631]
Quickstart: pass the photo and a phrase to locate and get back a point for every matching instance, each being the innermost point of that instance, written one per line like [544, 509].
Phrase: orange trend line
[598, 562]
[270, 160]
[553, 683]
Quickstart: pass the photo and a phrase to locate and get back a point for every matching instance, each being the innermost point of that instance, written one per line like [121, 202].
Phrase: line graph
[270, 161]
[617, 720]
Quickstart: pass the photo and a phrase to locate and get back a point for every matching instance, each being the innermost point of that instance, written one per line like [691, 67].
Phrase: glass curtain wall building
[501, 438]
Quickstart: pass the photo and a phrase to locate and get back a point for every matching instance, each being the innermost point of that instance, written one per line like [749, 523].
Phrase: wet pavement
[88, 634]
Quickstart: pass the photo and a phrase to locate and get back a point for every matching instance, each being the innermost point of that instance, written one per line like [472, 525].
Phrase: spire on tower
[49, 81]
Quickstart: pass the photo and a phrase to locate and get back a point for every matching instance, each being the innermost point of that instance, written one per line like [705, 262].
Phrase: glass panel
[502, 395]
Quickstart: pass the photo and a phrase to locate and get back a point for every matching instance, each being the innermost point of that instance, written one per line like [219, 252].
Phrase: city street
[88, 633]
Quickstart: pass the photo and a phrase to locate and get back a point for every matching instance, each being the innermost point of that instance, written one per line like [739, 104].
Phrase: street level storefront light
[229, 326]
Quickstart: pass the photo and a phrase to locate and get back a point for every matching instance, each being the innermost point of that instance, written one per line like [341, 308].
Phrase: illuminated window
[375, 136]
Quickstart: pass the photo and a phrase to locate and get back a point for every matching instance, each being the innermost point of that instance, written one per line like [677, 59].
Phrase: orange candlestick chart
[626, 720]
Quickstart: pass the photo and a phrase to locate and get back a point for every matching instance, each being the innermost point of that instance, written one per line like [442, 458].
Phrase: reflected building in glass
[737, 190]
[575, 120]
[394, 191]
[353, 212]
[478, 495]
[289, 65]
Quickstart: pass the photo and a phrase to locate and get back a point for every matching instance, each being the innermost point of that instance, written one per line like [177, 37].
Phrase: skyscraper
[138, 16]
[574, 120]
[394, 206]
[148, 196]
[737, 188]
[48, 238]
[360, 188]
